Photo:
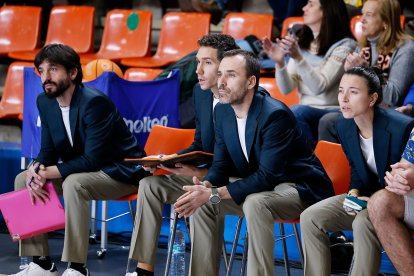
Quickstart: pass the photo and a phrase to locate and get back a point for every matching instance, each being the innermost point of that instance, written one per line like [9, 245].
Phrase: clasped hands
[196, 196]
[400, 179]
[35, 181]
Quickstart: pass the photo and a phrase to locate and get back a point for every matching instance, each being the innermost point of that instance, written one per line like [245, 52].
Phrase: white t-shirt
[367, 148]
[65, 114]
[241, 128]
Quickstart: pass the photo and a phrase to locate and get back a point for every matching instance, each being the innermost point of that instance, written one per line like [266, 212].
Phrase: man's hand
[184, 169]
[401, 178]
[195, 197]
[406, 109]
[35, 179]
[154, 168]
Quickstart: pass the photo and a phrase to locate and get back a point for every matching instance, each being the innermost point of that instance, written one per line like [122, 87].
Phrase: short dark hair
[373, 77]
[252, 63]
[220, 42]
[62, 55]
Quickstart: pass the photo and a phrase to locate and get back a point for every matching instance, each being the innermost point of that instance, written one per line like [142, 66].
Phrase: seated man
[280, 176]
[155, 191]
[391, 211]
[82, 128]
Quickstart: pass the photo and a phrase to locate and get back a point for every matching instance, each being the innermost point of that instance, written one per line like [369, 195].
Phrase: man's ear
[251, 82]
[73, 73]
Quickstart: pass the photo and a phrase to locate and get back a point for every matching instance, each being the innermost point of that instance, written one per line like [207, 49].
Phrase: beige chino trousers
[77, 189]
[260, 211]
[329, 216]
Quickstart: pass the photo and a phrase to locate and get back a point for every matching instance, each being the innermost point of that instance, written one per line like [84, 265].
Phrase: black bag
[342, 252]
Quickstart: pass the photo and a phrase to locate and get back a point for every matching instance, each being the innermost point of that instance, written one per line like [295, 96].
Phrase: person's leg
[261, 210]
[206, 227]
[308, 119]
[78, 190]
[327, 127]
[153, 193]
[367, 248]
[315, 222]
[386, 211]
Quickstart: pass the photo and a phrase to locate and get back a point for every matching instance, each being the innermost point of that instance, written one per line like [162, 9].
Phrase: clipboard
[25, 220]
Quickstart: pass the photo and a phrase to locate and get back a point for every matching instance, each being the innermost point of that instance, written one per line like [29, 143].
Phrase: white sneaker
[131, 274]
[35, 270]
[74, 272]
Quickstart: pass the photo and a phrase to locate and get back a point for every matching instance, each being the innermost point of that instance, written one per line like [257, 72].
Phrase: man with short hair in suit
[280, 175]
[84, 140]
[155, 191]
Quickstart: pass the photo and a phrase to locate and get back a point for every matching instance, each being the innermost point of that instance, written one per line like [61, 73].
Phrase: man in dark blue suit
[279, 174]
[83, 143]
[155, 191]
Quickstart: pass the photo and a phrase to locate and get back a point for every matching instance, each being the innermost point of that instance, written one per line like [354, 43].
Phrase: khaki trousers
[328, 216]
[77, 189]
[153, 193]
[260, 211]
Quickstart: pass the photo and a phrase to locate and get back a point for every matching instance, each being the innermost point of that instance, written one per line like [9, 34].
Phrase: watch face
[214, 199]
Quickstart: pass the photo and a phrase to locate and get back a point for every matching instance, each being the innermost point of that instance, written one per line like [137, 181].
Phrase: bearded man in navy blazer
[279, 174]
[82, 128]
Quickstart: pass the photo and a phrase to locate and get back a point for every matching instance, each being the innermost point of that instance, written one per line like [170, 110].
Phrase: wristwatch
[215, 197]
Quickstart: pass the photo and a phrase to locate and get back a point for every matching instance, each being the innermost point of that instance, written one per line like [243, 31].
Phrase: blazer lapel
[207, 121]
[231, 137]
[251, 124]
[73, 113]
[381, 146]
[356, 152]
[57, 127]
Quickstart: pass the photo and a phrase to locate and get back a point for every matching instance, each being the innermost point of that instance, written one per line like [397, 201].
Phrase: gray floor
[114, 262]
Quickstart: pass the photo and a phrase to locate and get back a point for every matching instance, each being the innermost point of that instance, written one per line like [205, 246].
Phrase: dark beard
[61, 87]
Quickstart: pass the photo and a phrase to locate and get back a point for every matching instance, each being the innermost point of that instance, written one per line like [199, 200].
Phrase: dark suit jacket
[204, 135]
[101, 138]
[277, 151]
[390, 134]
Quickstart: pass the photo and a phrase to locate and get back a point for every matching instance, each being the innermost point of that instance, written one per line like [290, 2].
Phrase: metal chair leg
[244, 258]
[285, 255]
[234, 247]
[300, 250]
[171, 244]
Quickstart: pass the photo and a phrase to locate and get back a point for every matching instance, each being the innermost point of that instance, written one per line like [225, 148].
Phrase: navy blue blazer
[204, 135]
[390, 134]
[277, 150]
[101, 140]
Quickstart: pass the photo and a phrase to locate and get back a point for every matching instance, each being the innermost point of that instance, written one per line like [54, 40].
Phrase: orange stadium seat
[289, 22]
[141, 74]
[240, 25]
[178, 37]
[270, 85]
[11, 104]
[70, 25]
[127, 33]
[20, 28]
[356, 25]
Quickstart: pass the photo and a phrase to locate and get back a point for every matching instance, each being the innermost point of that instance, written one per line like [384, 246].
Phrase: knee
[253, 207]
[72, 186]
[299, 111]
[20, 181]
[381, 205]
[310, 218]
[361, 223]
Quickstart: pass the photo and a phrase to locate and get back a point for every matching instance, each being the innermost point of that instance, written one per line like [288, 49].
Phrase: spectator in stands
[155, 191]
[81, 128]
[316, 61]
[392, 212]
[280, 175]
[372, 139]
[285, 8]
[383, 45]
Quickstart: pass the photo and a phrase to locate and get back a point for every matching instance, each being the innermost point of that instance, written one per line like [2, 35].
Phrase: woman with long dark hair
[317, 54]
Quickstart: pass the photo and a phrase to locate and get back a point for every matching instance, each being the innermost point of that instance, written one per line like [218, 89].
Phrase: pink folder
[25, 220]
